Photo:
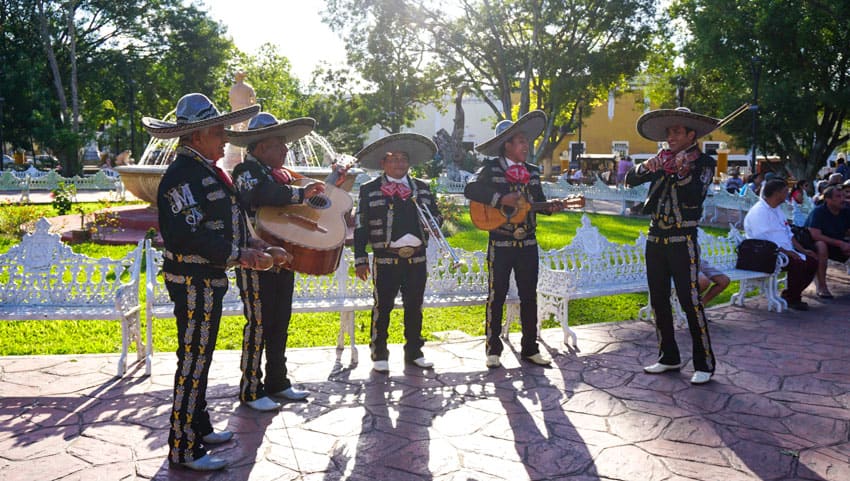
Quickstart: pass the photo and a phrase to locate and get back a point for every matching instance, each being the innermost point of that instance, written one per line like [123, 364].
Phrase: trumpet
[430, 224]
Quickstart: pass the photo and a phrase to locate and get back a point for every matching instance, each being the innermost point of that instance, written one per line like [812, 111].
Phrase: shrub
[17, 221]
[63, 197]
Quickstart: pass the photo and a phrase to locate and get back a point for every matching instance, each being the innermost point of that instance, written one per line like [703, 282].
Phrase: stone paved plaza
[779, 409]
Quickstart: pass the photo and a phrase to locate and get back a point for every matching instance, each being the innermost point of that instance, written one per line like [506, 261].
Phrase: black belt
[405, 252]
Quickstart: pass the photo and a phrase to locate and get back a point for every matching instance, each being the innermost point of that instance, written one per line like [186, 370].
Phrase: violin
[681, 162]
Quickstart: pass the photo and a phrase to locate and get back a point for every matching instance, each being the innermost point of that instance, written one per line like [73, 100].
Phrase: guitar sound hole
[320, 202]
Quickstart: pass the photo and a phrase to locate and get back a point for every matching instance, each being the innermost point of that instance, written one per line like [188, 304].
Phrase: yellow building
[611, 128]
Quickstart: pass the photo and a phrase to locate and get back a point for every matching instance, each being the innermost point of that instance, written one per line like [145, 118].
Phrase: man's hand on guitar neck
[556, 205]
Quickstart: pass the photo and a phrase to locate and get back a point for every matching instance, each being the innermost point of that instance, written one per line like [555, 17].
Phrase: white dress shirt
[769, 223]
[407, 240]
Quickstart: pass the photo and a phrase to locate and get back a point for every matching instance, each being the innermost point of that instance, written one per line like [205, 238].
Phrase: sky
[294, 26]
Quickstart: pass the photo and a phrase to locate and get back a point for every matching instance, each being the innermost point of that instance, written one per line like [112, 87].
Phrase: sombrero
[653, 125]
[195, 112]
[418, 148]
[265, 125]
[530, 124]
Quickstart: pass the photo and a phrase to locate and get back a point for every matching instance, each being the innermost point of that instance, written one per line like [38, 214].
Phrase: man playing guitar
[263, 181]
[504, 181]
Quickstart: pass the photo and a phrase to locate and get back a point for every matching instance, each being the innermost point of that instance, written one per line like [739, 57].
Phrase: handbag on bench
[757, 255]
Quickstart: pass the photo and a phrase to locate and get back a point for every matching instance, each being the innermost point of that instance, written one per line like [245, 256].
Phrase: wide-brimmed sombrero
[418, 148]
[530, 124]
[195, 112]
[265, 125]
[653, 125]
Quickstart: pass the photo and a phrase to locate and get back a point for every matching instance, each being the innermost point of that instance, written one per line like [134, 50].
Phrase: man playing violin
[262, 180]
[680, 176]
[505, 181]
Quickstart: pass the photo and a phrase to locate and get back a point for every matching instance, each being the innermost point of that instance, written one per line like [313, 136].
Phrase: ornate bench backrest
[41, 270]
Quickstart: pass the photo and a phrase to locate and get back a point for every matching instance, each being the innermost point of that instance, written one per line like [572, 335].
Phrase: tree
[269, 72]
[337, 105]
[110, 61]
[804, 88]
[383, 45]
[555, 55]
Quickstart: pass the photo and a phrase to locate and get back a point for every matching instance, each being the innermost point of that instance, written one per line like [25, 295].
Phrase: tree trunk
[72, 40]
[460, 117]
[51, 59]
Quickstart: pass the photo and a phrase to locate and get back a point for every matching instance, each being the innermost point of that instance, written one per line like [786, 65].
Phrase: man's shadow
[545, 439]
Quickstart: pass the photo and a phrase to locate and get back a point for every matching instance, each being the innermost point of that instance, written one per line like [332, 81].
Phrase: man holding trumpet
[388, 218]
[262, 180]
[204, 230]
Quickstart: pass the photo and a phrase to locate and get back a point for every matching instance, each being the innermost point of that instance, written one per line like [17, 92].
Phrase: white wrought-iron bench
[343, 292]
[42, 278]
[592, 266]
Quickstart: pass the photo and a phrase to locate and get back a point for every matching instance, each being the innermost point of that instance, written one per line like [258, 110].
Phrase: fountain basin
[143, 180]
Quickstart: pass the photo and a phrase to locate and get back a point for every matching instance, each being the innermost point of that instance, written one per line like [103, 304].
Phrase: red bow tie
[395, 189]
[517, 174]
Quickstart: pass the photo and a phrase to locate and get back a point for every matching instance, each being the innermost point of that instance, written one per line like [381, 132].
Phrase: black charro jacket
[376, 214]
[674, 203]
[489, 184]
[202, 223]
[257, 187]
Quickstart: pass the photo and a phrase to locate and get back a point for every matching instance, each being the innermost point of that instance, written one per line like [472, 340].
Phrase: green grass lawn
[320, 329]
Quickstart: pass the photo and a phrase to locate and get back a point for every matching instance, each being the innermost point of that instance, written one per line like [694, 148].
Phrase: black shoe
[798, 306]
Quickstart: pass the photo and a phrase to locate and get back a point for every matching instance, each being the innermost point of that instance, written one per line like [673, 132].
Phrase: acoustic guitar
[313, 232]
[487, 217]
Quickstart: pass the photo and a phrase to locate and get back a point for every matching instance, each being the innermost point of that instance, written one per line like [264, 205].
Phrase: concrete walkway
[779, 409]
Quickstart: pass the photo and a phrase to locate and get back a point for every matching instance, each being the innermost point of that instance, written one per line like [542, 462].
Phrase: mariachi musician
[387, 218]
[262, 180]
[504, 181]
[679, 177]
[204, 230]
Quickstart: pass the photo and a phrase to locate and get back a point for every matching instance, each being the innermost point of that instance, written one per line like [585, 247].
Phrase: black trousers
[677, 258]
[197, 308]
[267, 299]
[389, 276]
[522, 258]
[800, 275]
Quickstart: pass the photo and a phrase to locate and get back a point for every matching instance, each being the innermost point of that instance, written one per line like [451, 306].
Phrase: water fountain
[311, 156]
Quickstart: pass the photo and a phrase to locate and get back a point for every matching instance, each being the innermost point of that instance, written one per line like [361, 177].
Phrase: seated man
[734, 183]
[767, 221]
[711, 281]
[829, 223]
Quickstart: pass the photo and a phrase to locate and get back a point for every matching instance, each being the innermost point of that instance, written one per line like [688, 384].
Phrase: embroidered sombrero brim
[290, 131]
[653, 125]
[161, 129]
[530, 124]
[418, 147]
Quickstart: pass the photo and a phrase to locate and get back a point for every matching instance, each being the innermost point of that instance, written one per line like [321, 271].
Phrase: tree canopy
[73, 71]
[802, 53]
[555, 55]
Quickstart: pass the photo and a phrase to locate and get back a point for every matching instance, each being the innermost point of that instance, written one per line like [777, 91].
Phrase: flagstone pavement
[778, 409]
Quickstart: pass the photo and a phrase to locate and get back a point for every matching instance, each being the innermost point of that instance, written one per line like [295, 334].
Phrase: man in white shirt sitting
[767, 221]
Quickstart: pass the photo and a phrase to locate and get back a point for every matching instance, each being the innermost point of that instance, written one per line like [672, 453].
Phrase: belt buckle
[520, 233]
[406, 252]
